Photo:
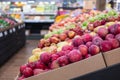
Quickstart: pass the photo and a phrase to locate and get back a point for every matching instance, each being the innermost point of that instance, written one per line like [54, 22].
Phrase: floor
[11, 68]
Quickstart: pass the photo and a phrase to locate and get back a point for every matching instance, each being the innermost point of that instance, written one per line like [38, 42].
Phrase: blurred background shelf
[38, 21]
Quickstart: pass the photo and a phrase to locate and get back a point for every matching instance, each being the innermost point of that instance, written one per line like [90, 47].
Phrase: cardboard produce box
[73, 70]
[112, 57]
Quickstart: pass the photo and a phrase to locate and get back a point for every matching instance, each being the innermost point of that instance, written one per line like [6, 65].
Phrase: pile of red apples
[81, 48]
[99, 36]
[78, 30]
[68, 34]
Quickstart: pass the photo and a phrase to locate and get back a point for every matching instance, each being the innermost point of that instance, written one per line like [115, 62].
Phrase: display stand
[11, 40]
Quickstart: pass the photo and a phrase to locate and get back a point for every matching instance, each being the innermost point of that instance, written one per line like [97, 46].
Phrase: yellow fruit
[36, 50]
[93, 34]
[96, 29]
[109, 24]
[46, 49]
[53, 48]
[32, 58]
[37, 54]
[59, 49]
[61, 44]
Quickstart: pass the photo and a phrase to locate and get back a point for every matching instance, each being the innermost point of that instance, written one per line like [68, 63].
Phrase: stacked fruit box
[74, 47]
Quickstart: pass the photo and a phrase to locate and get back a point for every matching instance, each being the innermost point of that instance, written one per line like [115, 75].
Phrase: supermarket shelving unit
[38, 26]
[11, 40]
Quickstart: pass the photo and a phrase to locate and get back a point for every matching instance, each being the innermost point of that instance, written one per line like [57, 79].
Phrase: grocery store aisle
[11, 68]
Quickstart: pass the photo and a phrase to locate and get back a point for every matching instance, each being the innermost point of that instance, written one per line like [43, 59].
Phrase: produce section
[59, 40]
[12, 33]
[6, 22]
[96, 33]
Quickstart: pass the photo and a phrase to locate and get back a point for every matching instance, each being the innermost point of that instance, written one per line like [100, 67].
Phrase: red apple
[38, 71]
[54, 64]
[83, 49]
[77, 41]
[88, 55]
[111, 19]
[22, 68]
[112, 29]
[102, 32]
[62, 36]
[74, 55]
[41, 43]
[97, 40]
[28, 72]
[87, 38]
[90, 27]
[67, 47]
[61, 53]
[71, 34]
[103, 22]
[40, 65]
[88, 44]
[54, 40]
[114, 43]
[54, 57]
[47, 42]
[45, 57]
[118, 37]
[55, 35]
[105, 46]
[117, 28]
[94, 49]
[78, 30]
[109, 36]
[31, 65]
[63, 60]
[96, 24]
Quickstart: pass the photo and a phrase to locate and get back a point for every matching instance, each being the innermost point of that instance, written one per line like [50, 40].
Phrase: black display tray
[110, 73]
[11, 41]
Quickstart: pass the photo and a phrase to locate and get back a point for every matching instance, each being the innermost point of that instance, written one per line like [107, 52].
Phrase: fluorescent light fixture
[52, 2]
[46, 2]
[31, 1]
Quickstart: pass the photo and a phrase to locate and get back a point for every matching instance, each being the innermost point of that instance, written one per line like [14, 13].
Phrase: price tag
[14, 29]
[1, 34]
[5, 33]
[10, 30]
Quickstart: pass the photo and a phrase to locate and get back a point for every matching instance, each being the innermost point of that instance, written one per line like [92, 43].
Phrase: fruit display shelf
[80, 39]
[11, 40]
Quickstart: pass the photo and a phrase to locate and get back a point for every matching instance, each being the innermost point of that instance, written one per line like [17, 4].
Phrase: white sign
[1, 34]
[10, 30]
[18, 27]
[14, 30]
[5, 33]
